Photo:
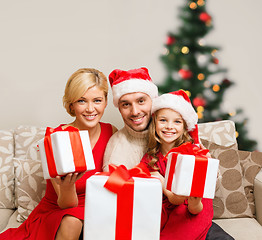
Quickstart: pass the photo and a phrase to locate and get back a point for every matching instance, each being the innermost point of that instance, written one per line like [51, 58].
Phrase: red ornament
[204, 17]
[170, 40]
[226, 82]
[185, 74]
[215, 60]
[199, 101]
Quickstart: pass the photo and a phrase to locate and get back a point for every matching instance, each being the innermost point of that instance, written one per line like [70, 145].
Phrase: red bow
[77, 150]
[188, 148]
[121, 182]
[120, 175]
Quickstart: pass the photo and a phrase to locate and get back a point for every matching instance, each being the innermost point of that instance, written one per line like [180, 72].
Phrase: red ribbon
[121, 182]
[77, 149]
[200, 169]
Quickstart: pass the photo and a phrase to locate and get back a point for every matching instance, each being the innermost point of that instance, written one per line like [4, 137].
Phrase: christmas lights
[216, 88]
[200, 76]
[185, 50]
[200, 3]
[193, 5]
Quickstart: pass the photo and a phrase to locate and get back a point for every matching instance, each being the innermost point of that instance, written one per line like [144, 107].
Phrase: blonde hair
[154, 141]
[79, 82]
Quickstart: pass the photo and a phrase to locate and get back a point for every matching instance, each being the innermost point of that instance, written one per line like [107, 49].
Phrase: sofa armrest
[258, 196]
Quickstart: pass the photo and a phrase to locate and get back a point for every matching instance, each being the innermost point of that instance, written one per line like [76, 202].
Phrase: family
[153, 125]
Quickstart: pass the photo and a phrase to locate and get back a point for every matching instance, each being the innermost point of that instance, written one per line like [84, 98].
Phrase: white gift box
[101, 210]
[184, 174]
[63, 154]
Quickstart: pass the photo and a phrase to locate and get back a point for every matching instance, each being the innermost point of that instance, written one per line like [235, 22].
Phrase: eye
[162, 120]
[125, 105]
[141, 101]
[98, 100]
[81, 101]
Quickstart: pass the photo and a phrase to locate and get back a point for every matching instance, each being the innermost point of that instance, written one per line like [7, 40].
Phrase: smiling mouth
[168, 133]
[90, 117]
[137, 120]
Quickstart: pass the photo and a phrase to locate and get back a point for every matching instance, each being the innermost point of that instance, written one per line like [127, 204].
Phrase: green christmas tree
[193, 65]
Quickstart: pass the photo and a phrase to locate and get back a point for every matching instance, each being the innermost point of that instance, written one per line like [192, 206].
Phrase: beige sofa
[237, 205]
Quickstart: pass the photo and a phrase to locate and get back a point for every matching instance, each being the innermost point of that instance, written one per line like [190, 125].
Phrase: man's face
[135, 109]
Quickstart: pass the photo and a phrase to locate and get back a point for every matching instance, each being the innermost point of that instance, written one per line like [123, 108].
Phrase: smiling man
[133, 91]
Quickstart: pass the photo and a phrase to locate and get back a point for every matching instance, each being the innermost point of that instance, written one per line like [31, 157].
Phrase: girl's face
[169, 126]
[89, 108]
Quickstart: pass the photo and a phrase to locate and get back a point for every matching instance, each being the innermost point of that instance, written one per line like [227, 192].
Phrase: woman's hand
[195, 205]
[69, 179]
[66, 190]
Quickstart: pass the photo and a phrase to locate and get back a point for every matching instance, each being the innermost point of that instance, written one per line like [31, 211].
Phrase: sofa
[237, 203]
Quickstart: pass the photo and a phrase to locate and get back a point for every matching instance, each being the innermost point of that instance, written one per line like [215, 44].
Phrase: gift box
[65, 152]
[191, 175]
[131, 209]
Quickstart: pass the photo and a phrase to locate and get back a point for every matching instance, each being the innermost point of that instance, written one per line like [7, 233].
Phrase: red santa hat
[131, 81]
[179, 102]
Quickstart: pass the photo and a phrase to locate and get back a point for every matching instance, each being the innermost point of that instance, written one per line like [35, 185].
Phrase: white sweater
[125, 147]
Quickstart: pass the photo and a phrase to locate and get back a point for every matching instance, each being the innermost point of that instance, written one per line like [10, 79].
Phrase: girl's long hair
[154, 142]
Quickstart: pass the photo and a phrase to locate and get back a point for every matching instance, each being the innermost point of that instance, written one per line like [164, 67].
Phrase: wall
[44, 42]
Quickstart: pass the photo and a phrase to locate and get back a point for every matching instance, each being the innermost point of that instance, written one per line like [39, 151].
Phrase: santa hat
[179, 102]
[131, 81]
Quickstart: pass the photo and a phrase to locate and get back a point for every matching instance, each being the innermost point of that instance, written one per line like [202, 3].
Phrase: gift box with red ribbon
[123, 204]
[65, 152]
[190, 173]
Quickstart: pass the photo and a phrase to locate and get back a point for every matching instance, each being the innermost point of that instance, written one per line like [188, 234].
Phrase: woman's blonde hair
[79, 82]
[154, 141]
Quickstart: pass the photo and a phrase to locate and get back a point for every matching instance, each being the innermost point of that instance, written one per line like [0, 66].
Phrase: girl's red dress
[43, 222]
[177, 223]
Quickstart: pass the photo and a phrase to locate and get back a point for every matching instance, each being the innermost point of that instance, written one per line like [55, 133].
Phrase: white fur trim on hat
[178, 104]
[132, 86]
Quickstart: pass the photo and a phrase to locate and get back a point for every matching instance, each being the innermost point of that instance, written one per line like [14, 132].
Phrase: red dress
[43, 222]
[177, 223]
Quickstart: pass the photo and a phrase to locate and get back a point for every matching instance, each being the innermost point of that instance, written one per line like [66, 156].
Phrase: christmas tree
[193, 66]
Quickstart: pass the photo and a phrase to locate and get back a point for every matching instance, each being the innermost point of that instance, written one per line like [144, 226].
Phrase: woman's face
[89, 108]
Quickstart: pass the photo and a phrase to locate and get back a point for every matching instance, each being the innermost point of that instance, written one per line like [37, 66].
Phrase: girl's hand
[202, 147]
[173, 198]
[195, 205]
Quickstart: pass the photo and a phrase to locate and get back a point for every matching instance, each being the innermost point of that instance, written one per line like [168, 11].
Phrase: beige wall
[43, 42]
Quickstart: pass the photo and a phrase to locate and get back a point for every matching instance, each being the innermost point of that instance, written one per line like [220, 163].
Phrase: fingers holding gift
[174, 198]
[69, 178]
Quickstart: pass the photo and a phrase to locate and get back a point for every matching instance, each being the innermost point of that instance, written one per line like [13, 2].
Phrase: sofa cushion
[26, 138]
[241, 228]
[251, 163]
[30, 186]
[220, 132]
[7, 198]
[12, 222]
[5, 215]
[230, 199]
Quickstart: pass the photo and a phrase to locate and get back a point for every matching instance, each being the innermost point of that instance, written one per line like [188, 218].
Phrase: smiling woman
[85, 99]
[89, 108]
[60, 214]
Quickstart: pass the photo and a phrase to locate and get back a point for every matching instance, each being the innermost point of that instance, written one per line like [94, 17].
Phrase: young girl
[174, 122]
[60, 213]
